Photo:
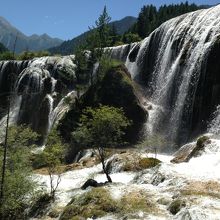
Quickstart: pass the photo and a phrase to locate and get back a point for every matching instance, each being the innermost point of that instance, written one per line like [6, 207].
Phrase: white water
[177, 176]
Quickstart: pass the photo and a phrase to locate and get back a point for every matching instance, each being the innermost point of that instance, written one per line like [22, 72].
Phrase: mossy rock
[140, 164]
[201, 141]
[176, 206]
[146, 163]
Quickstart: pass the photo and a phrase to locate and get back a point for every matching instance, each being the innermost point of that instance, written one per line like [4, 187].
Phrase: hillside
[2, 48]
[8, 34]
[67, 47]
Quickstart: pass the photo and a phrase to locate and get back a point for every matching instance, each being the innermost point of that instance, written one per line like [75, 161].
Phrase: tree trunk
[106, 172]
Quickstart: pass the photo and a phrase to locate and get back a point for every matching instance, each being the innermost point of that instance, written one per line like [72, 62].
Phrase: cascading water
[61, 108]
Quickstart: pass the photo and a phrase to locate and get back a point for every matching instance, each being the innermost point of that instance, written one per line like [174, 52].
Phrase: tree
[18, 185]
[98, 38]
[101, 128]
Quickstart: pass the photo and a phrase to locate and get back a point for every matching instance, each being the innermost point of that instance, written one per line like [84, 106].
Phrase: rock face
[35, 88]
[115, 89]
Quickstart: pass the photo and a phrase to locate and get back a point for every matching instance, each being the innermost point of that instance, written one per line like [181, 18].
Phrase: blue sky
[68, 18]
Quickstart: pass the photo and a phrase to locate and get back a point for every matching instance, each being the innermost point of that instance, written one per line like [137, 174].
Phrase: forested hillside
[150, 17]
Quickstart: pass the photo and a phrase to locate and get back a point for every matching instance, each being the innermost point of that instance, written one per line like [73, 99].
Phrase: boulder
[194, 149]
[93, 183]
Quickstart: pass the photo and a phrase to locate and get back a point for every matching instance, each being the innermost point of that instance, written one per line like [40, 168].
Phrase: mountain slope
[2, 48]
[67, 47]
[8, 35]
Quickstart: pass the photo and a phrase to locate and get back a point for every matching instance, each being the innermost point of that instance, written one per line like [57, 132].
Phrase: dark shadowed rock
[92, 183]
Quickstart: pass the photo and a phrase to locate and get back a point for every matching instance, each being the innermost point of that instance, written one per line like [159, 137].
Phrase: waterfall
[171, 63]
[36, 88]
[62, 107]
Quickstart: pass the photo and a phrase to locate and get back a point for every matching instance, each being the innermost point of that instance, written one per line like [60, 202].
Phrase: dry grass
[206, 189]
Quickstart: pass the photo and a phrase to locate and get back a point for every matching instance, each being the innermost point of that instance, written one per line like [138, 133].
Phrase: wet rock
[194, 149]
[157, 178]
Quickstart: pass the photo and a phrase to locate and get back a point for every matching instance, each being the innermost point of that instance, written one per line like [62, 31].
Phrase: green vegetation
[7, 55]
[98, 202]
[18, 185]
[28, 55]
[101, 128]
[150, 17]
